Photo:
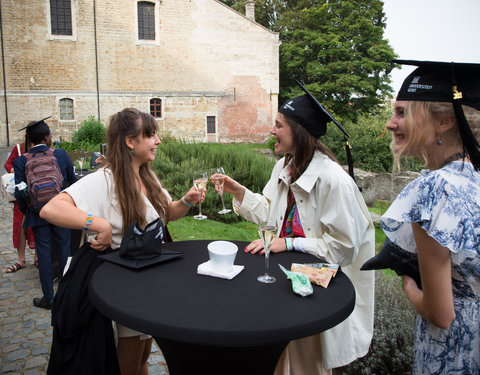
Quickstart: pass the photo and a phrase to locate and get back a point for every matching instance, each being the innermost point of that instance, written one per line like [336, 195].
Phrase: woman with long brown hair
[317, 209]
[108, 201]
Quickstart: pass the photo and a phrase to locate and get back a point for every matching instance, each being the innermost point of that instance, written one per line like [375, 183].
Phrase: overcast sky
[436, 30]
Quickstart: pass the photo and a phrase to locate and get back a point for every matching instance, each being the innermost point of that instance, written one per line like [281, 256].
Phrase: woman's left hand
[256, 246]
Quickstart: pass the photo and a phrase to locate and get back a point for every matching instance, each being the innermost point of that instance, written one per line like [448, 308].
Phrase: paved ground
[25, 331]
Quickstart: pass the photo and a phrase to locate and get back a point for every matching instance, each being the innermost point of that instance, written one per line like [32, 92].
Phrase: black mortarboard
[456, 83]
[312, 115]
[141, 248]
[394, 257]
[37, 127]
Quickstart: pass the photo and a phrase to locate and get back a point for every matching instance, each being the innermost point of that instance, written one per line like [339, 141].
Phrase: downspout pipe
[96, 56]
[4, 79]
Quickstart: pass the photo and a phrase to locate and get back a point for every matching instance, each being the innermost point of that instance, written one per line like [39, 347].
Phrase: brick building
[205, 71]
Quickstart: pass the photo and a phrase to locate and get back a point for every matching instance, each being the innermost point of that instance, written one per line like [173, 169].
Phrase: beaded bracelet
[185, 202]
[88, 221]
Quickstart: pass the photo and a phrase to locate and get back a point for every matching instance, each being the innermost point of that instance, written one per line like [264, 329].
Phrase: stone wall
[382, 186]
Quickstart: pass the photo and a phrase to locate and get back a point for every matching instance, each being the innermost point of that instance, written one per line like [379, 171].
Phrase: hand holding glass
[200, 182]
[218, 181]
[267, 234]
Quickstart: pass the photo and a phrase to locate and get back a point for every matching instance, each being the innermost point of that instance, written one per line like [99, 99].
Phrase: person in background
[112, 198]
[38, 133]
[437, 215]
[318, 209]
[21, 236]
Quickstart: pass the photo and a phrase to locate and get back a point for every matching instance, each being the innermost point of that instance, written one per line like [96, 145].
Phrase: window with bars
[211, 124]
[61, 17]
[156, 107]
[146, 20]
[66, 109]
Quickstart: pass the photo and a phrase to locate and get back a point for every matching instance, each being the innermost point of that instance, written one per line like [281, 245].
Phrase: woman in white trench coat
[318, 209]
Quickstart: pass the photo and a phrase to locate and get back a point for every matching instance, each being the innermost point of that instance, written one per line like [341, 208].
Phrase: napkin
[207, 269]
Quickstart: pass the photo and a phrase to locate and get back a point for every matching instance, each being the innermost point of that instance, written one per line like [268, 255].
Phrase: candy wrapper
[300, 283]
[317, 273]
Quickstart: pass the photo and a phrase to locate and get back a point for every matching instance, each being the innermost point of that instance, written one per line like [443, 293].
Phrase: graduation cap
[37, 127]
[394, 257]
[142, 247]
[307, 111]
[456, 83]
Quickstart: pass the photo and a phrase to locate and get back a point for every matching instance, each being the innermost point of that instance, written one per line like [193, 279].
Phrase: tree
[336, 48]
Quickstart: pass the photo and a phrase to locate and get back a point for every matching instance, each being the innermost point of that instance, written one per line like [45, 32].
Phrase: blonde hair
[420, 118]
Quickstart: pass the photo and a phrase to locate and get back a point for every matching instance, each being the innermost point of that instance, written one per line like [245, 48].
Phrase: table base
[188, 359]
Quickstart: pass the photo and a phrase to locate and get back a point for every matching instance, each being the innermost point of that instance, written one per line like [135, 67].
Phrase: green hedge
[176, 161]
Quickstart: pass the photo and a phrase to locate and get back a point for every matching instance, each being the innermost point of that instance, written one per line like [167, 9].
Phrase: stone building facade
[205, 71]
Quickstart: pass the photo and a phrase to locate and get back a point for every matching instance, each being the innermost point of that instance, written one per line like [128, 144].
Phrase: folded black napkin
[394, 257]
[142, 247]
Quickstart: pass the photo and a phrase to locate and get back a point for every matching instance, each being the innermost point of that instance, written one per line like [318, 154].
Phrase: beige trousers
[302, 357]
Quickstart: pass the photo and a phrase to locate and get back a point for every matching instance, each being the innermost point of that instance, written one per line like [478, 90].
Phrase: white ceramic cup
[222, 255]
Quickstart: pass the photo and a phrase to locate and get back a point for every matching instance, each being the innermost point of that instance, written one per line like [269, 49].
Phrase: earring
[439, 141]
[132, 151]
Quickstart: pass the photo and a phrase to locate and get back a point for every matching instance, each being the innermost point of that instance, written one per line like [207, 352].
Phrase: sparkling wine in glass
[267, 234]
[81, 160]
[200, 182]
[218, 181]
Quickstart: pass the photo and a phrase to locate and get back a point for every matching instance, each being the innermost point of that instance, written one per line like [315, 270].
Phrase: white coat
[338, 228]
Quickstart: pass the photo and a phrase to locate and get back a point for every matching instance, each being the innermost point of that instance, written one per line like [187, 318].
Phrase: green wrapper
[300, 283]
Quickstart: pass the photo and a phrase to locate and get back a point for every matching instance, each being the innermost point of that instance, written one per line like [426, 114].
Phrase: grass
[187, 229]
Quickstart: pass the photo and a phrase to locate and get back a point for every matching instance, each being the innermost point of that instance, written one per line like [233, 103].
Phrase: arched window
[156, 107]
[66, 109]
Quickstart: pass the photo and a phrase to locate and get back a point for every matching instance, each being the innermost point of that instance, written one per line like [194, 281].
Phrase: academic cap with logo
[307, 111]
[37, 127]
[456, 83]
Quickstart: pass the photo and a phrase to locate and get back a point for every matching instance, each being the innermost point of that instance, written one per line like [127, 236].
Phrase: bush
[90, 131]
[177, 160]
[391, 350]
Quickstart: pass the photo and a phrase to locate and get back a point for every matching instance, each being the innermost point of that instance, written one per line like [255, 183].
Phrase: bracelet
[288, 243]
[88, 221]
[185, 202]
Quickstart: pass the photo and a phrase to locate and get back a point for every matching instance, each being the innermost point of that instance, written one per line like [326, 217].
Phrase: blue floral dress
[446, 203]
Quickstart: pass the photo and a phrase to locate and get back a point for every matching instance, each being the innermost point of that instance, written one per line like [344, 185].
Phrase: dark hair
[37, 136]
[305, 146]
[132, 123]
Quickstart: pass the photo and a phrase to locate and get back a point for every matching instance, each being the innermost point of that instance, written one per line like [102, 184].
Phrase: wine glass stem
[200, 208]
[221, 197]
[267, 261]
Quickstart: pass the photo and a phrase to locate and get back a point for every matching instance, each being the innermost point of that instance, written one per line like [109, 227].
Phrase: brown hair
[305, 146]
[133, 123]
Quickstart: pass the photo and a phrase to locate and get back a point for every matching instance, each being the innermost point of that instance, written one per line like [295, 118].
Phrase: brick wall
[207, 60]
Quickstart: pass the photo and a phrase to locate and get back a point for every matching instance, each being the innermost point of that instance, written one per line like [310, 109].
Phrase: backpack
[44, 178]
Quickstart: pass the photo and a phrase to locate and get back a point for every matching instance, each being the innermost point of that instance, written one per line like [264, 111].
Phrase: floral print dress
[446, 203]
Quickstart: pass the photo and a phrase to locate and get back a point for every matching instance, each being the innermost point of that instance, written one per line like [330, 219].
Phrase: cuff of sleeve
[299, 244]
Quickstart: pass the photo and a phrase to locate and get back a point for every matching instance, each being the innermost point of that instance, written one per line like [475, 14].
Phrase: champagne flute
[80, 164]
[267, 234]
[200, 182]
[218, 181]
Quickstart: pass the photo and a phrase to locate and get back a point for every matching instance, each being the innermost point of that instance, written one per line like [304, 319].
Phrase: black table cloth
[228, 326]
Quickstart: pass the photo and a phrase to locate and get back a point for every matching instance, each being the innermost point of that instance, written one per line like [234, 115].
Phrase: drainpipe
[96, 57]
[4, 80]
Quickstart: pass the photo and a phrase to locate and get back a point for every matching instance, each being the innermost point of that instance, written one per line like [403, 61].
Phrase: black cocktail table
[209, 325]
